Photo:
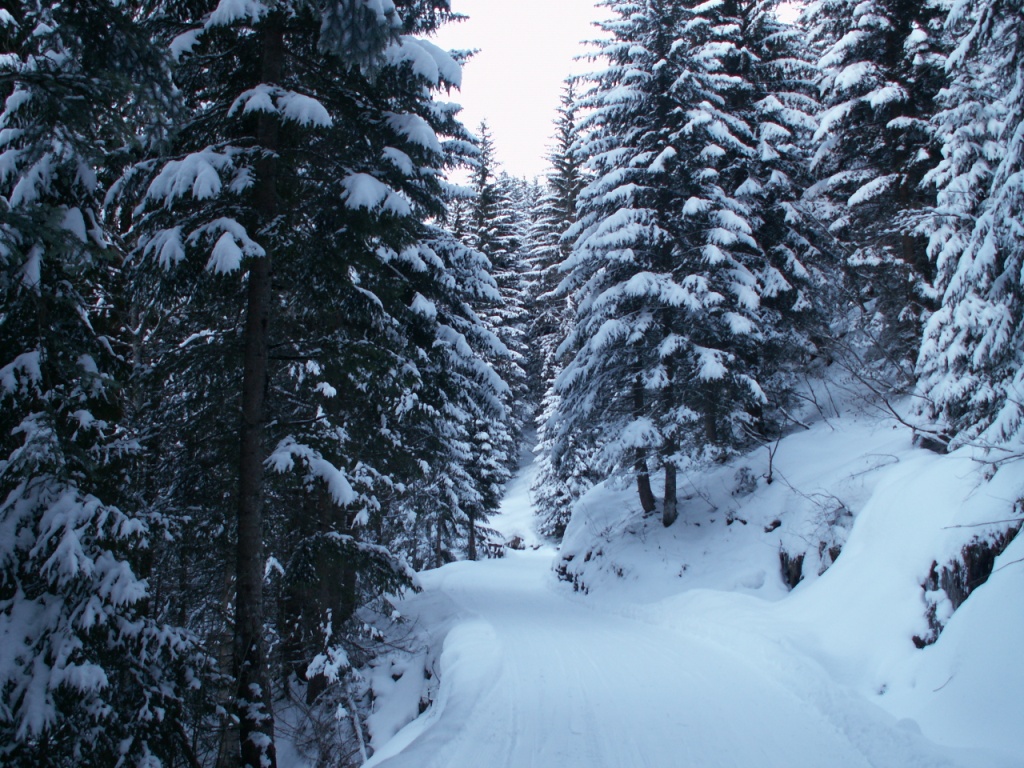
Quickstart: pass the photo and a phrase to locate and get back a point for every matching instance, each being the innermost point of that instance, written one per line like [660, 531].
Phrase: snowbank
[854, 490]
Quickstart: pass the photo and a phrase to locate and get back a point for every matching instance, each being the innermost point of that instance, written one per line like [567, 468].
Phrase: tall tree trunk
[669, 510]
[472, 536]
[256, 719]
[643, 487]
[643, 478]
[671, 446]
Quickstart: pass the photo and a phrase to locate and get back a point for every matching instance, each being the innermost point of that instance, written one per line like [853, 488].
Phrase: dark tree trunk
[671, 447]
[643, 479]
[472, 537]
[669, 510]
[643, 487]
[710, 425]
[256, 719]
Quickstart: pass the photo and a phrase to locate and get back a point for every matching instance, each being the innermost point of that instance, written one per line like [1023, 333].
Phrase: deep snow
[689, 650]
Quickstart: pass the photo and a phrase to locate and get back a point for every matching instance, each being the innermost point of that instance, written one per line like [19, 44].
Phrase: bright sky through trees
[526, 50]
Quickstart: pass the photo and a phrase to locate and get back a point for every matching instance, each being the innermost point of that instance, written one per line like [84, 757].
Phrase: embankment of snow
[853, 490]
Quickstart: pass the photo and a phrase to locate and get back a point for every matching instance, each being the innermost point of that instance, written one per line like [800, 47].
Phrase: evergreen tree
[87, 674]
[497, 230]
[882, 70]
[470, 465]
[294, 202]
[680, 305]
[494, 231]
[511, 267]
[972, 358]
[557, 484]
[552, 216]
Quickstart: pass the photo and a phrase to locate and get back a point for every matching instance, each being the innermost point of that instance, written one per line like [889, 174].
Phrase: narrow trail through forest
[534, 675]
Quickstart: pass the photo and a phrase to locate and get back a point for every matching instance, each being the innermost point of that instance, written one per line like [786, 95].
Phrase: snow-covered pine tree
[494, 229]
[358, 334]
[554, 214]
[220, 195]
[298, 189]
[796, 279]
[971, 363]
[464, 398]
[404, 372]
[621, 241]
[881, 72]
[675, 332]
[510, 267]
[87, 675]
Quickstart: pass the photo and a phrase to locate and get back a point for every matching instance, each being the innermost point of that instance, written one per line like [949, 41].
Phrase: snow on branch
[428, 62]
[25, 368]
[872, 189]
[336, 479]
[232, 243]
[289, 105]
[364, 191]
[197, 174]
[230, 12]
[415, 129]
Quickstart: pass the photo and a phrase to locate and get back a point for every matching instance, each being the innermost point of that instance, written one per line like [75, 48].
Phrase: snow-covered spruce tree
[621, 234]
[677, 358]
[510, 267]
[971, 364]
[494, 229]
[87, 676]
[356, 340]
[881, 72]
[554, 214]
[551, 217]
[462, 473]
[797, 279]
[749, 120]
[389, 378]
[190, 211]
[299, 184]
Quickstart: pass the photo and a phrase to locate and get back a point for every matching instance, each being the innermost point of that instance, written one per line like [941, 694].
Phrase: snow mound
[861, 522]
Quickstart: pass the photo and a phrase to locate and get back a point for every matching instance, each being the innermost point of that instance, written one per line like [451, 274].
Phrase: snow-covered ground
[688, 650]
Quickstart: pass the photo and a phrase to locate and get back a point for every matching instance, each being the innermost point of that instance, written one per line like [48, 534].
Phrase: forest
[262, 360]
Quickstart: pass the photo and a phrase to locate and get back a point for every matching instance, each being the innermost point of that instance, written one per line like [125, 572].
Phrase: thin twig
[794, 420]
[1005, 565]
[944, 684]
[982, 525]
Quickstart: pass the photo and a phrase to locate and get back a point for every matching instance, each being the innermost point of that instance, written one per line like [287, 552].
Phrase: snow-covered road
[533, 676]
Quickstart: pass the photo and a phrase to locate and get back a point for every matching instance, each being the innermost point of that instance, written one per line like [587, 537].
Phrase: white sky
[526, 50]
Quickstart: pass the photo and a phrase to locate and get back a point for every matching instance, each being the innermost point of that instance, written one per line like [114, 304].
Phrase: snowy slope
[688, 649]
[903, 509]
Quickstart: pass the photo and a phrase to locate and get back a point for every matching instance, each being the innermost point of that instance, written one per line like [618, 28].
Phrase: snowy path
[534, 676]
[531, 677]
